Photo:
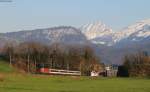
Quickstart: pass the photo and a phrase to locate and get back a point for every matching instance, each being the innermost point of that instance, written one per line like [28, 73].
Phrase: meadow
[12, 81]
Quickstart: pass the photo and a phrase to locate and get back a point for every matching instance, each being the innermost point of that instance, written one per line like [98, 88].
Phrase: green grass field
[4, 67]
[15, 82]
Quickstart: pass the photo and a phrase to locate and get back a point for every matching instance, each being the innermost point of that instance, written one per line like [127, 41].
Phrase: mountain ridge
[99, 33]
[49, 35]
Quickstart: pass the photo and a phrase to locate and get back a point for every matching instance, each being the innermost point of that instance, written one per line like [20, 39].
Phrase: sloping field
[4, 67]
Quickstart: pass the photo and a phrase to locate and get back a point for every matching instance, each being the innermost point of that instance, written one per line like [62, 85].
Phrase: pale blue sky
[32, 14]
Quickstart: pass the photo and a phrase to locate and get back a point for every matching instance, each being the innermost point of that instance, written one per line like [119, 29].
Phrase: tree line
[29, 56]
[136, 65]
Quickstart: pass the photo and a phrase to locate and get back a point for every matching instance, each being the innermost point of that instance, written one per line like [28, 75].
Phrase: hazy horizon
[32, 14]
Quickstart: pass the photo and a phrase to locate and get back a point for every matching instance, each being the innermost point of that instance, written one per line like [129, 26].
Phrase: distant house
[111, 70]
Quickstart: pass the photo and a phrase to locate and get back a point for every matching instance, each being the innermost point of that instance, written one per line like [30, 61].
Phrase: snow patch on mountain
[97, 33]
[139, 29]
[97, 29]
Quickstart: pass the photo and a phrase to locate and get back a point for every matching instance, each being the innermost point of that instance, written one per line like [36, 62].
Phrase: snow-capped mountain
[61, 34]
[99, 33]
[134, 33]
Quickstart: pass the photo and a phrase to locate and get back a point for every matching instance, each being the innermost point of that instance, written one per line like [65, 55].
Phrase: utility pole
[35, 66]
[10, 53]
[67, 65]
[28, 63]
[10, 60]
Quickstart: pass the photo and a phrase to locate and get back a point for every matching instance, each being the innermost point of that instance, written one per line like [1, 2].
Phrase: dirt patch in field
[2, 77]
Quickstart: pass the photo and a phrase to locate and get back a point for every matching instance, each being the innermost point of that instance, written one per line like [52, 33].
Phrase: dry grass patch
[2, 77]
